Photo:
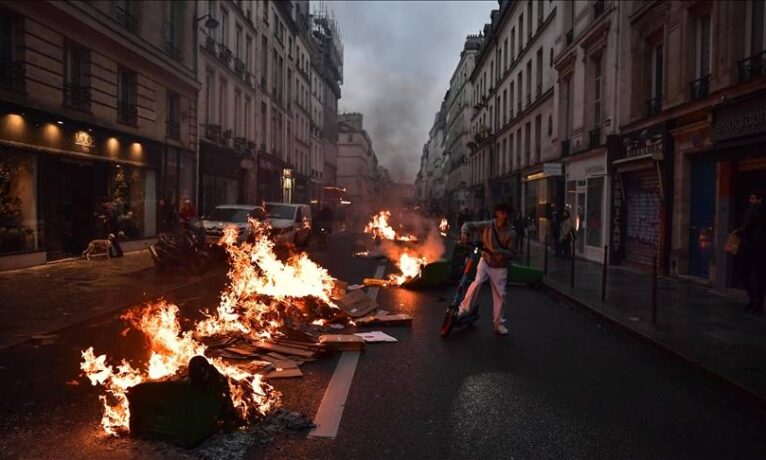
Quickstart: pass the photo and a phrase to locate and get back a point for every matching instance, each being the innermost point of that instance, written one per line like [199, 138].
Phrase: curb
[109, 312]
[745, 393]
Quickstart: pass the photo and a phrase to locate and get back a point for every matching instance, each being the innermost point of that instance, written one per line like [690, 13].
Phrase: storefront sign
[594, 166]
[84, 140]
[552, 169]
[743, 118]
[639, 149]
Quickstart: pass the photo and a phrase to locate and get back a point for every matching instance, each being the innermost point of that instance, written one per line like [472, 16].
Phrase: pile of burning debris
[418, 260]
[270, 320]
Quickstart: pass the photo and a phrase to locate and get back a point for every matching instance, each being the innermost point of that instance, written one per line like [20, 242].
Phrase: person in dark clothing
[556, 229]
[324, 219]
[519, 225]
[752, 235]
[168, 216]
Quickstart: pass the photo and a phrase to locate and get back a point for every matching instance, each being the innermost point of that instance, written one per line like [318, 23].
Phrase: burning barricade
[418, 260]
[225, 359]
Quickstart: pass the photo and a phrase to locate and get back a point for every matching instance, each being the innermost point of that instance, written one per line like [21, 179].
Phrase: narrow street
[560, 385]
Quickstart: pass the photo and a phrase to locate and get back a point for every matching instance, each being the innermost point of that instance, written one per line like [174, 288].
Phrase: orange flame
[443, 226]
[253, 305]
[379, 227]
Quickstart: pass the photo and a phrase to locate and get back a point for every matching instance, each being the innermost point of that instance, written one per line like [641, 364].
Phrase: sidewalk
[694, 323]
[50, 297]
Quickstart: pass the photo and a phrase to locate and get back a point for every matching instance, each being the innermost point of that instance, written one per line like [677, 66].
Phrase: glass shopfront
[586, 200]
[19, 231]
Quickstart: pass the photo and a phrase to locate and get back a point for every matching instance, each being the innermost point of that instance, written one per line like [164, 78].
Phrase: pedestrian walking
[567, 234]
[519, 226]
[752, 235]
[497, 237]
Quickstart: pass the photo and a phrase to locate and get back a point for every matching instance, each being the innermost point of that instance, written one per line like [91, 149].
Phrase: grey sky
[398, 59]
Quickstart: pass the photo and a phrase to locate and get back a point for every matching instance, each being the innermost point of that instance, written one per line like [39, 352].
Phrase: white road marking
[333, 402]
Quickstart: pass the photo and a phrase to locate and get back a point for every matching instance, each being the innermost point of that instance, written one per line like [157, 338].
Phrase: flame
[410, 260]
[258, 299]
[379, 227]
[443, 227]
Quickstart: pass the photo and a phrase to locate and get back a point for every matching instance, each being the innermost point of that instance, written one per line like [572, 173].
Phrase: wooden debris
[342, 342]
[357, 303]
[284, 373]
[376, 282]
[339, 289]
[284, 349]
[384, 319]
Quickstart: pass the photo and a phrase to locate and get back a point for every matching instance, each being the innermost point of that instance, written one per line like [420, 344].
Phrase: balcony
[654, 106]
[752, 67]
[173, 129]
[224, 54]
[125, 19]
[127, 113]
[594, 138]
[700, 88]
[210, 43]
[570, 37]
[598, 8]
[213, 132]
[239, 68]
[240, 144]
[565, 148]
[11, 74]
[77, 96]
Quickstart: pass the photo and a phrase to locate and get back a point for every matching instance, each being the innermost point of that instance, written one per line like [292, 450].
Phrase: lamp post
[210, 23]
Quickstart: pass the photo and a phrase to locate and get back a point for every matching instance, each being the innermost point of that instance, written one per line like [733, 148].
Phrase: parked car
[231, 214]
[290, 222]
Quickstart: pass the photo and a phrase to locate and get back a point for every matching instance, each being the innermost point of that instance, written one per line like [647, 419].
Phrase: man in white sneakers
[498, 238]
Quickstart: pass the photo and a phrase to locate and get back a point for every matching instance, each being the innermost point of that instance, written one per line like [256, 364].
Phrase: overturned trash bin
[433, 274]
[184, 412]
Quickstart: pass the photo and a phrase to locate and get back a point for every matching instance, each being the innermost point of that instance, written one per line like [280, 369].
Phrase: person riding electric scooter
[497, 242]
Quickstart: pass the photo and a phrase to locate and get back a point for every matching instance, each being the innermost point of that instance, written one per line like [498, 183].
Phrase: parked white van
[290, 222]
[231, 214]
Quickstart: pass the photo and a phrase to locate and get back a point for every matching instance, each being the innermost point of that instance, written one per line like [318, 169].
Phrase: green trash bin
[431, 275]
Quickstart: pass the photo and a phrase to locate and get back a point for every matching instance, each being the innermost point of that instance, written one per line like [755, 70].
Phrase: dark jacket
[753, 229]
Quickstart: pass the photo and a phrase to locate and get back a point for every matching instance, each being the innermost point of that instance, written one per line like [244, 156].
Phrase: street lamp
[210, 23]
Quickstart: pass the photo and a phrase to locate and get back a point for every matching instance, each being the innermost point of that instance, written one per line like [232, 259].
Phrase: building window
[208, 97]
[237, 114]
[528, 143]
[700, 87]
[506, 63]
[529, 81]
[510, 102]
[248, 53]
[173, 116]
[264, 118]
[238, 42]
[222, 104]
[173, 28]
[597, 90]
[539, 76]
[538, 136]
[513, 43]
[529, 20]
[505, 102]
[521, 32]
[520, 96]
[127, 96]
[513, 161]
[540, 15]
[657, 69]
[224, 26]
[76, 89]
[264, 61]
[126, 14]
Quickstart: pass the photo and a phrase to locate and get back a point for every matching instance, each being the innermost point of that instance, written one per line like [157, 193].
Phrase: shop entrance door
[702, 216]
[71, 205]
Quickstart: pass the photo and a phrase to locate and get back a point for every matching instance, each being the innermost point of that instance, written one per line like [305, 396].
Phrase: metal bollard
[654, 290]
[528, 238]
[545, 256]
[603, 274]
[572, 269]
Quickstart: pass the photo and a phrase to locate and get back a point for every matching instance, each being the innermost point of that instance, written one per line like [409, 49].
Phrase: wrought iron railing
[173, 129]
[570, 37]
[11, 74]
[213, 132]
[565, 147]
[126, 19]
[127, 113]
[699, 88]
[171, 47]
[594, 137]
[210, 43]
[239, 68]
[654, 105]
[752, 67]
[224, 54]
[76, 96]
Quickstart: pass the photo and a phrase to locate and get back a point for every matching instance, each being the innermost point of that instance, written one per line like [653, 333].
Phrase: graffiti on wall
[644, 216]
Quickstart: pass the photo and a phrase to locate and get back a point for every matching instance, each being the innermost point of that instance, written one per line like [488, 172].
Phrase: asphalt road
[561, 385]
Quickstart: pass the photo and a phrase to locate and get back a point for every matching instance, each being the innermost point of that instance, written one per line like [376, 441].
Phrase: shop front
[63, 184]
[539, 188]
[272, 183]
[586, 198]
[641, 203]
[739, 150]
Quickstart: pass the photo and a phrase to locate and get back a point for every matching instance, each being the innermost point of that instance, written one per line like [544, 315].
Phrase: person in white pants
[498, 238]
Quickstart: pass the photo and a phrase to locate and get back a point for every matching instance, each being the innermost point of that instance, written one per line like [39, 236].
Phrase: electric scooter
[451, 319]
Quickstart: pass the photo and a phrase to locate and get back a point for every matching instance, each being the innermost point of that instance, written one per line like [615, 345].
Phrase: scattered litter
[290, 420]
[357, 303]
[383, 318]
[339, 289]
[375, 336]
[284, 373]
[342, 342]
[379, 282]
